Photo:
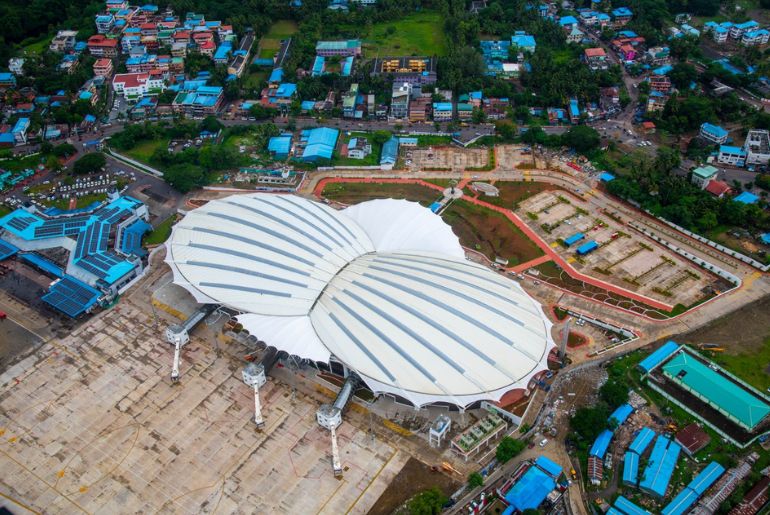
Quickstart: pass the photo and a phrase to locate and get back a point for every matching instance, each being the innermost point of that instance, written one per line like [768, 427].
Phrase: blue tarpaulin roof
[602, 442]
[622, 413]
[530, 490]
[553, 469]
[746, 198]
[606, 177]
[657, 357]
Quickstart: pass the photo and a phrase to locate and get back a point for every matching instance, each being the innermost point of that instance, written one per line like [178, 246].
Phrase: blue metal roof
[276, 75]
[730, 149]
[574, 238]
[319, 143]
[715, 130]
[567, 20]
[642, 440]
[630, 468]
[6, 249]
[681, 504]
[622, 413]
[660, 466]
[606, 177]
[587, 247]
[657, 357]
[279, 145]
[629, 508]
[389, 151]
[602, 442]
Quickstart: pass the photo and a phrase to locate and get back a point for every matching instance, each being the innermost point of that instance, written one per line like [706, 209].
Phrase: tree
[185, 177]
[682, 75]
[90, 163]
[581, 138]
[211, 124]
[380, 137]
[508, 448]
[64, 150]
[475, 480]
[614, 393]
[429, 502]
[588, 422]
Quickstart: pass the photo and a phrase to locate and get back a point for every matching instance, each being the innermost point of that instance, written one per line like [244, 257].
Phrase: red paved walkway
[550, 253]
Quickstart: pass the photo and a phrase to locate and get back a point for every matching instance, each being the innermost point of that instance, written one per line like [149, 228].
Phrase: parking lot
[624, 257]
[446, 158]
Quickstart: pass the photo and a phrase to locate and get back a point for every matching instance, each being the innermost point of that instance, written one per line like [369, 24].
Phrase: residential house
[689, 30]
[104, 23]
[575, 35]
[523, 42]
[718, 31]
[703, 174]
[755, 37]
[349, 102]
[135, 86]
[20, 129]
[718, 188]
[757, 147]
[658, 55]
[102, 46]
[739, 29]
[568, 22]
[656, 101]
[400, 97]
[7, 80]
[359, 148]
[16, 65]
[495, 53]
[348, 47]
[442, 111]
[420, 108]
[103, 67]
[621, 16]
[660, 83]
[464, 111]
[730, 155]
[495, 108]
[596, 58]
[63, 41]
[279, 95]
[713, 133]
[648, 127]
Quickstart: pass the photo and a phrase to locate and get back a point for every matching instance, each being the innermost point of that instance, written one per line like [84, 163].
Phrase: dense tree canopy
[509, 448]
[429, 502]
[89, 163]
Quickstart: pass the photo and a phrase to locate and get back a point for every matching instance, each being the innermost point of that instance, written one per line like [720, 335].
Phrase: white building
[134, 86]
[755, 37]
[730, 155]
[757, 147]
[16, 65]
[359, 148]
[382, 288]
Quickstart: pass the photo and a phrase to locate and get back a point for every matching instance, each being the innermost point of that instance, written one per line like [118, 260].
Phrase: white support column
[258, 420]
[177, 357]
[336, 463]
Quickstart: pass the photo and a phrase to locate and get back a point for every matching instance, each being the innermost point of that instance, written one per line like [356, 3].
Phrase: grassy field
[64, 203]
[417, 34]
[490, 233]
[18, 164]
[433, 141]
[143, 150]
[513, 192]
[36, 47]
[271, 42]
[160, 233]
[355, 192]
[256, 79]
[4, 210]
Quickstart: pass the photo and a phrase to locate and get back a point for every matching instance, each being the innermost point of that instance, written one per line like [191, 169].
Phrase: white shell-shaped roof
[382, 286]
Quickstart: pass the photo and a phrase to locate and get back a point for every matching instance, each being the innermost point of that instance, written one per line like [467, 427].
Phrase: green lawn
[417, 34]
[271, 41]
[144, 149]
[749, 366]
[433, 141]
[161, 232]
[36, 47]
[64, 203]
[4, 210]
[18, 164]
[255, 80]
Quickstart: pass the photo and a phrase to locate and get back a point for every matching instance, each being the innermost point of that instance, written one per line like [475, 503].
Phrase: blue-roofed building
[20, 129]
[574, 110]
[495, 53]
[202, 101]
[731, 155]
[101, 266]
[601, 444]
[755, 37]
[587, 247]
[663, 70]
[442, 111]
[621, 16]
[307, 105]
[276, 76]
[279, 146]
[568, 22]
[606, 177]
[713, 133]
[628, 508]
[739, 29]
[746, 198]
[318, 144]
[660, 466]
[222, 54]
[7, 249]
[574, 238]
[630, 468]
[765, 237]
[642, 441]
[7, 80]
[277, 95]
[552, 468]
[530, 490]
[389, 153]
[658, 357]
[523, 41]
[684, 500]
[621, 414]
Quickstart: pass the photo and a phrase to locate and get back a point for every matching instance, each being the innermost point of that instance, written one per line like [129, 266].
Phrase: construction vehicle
[573, 473]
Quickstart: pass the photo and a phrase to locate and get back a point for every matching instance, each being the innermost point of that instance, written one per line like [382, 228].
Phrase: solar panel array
[61, 227]
[21, 222]
[71, 296]
[100, 263]
[131, 242]
[7, 250]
